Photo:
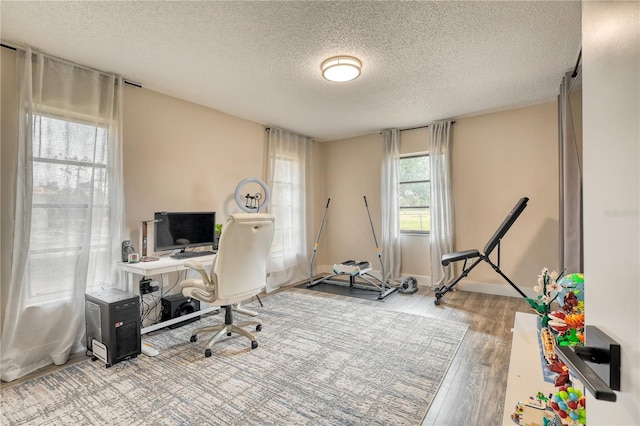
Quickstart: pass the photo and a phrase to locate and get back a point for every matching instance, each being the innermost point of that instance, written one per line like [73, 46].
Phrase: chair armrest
[195, 283]
[196, 266]
[198, 292]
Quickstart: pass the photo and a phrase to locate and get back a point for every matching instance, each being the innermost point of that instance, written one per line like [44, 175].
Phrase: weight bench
[491, 245]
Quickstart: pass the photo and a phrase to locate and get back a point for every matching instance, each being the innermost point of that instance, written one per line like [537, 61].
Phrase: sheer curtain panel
[391, 257]
[69, 212]
[289, 177]
[441, 238]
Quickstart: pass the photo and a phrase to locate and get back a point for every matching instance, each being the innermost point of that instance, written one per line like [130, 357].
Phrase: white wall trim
[495, 289]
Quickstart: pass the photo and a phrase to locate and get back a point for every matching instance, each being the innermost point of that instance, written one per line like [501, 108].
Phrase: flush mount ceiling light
[341, 68]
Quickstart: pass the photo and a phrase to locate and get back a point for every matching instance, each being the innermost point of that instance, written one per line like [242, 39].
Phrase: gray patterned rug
[320, 362]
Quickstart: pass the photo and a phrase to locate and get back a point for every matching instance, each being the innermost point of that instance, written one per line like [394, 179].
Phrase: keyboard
[190, 254]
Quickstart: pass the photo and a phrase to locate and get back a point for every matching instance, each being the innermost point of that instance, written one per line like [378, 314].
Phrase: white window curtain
[441, 237]
[390, 244]
[289, 177]
[68, 216]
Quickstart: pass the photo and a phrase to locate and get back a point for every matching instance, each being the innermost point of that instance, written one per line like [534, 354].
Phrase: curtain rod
[420, 127]
[266, 129]
[131, 83]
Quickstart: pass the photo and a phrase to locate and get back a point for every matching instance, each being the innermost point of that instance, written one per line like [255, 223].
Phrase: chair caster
[259, 327]
[436, 302]
[254, 344]
[207, 353]
[194, 339]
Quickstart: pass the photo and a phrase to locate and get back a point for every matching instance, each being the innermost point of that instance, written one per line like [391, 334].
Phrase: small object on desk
[146, 258]
[127, 248]
[134, 258]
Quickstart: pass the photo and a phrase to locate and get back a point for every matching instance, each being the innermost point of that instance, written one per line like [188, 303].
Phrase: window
[414, 194]
[70, 204]
[288, 172]
[283, 205]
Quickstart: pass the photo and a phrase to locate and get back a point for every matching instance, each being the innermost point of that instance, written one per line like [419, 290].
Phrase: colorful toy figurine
[533, 411]
[570, 405]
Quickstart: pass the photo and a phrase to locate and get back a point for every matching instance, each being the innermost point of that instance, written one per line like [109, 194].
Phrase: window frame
[36, 295]
[283, 249]
[400, 182]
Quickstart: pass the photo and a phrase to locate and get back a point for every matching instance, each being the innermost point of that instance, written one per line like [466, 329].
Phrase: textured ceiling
[422, 61]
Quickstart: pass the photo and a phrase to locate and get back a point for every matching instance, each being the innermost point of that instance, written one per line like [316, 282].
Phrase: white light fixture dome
[341, 68]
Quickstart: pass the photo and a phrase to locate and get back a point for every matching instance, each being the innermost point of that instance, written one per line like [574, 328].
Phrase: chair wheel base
[207, 353]
[259, 327]
[194, 339]
[254, 344]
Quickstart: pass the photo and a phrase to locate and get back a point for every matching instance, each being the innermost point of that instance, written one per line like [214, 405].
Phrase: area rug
[320, 361]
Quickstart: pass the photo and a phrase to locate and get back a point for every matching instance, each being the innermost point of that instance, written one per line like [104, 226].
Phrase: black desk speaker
[177, 305]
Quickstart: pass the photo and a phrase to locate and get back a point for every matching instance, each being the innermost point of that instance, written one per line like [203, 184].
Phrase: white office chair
[238, 273]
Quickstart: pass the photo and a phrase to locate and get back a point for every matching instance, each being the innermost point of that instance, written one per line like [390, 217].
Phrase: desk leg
[129, 282]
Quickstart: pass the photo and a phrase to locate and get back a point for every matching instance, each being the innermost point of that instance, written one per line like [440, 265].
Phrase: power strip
[146, 286]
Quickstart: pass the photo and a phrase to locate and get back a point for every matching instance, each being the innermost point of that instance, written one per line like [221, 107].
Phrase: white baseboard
[495, 289]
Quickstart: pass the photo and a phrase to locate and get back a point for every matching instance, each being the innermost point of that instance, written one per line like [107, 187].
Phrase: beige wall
[496, 159]
[352, 171]
[179, 156]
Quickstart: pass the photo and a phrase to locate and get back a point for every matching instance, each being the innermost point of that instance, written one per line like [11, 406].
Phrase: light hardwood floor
[473, 390]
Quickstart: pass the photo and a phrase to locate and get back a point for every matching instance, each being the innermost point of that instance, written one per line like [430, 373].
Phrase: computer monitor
[179, 230]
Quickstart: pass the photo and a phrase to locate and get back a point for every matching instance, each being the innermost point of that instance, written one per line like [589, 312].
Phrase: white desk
[157, 267]
[164, 265]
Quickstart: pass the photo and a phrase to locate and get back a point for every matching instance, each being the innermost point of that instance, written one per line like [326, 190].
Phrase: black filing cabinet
[112, 317]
